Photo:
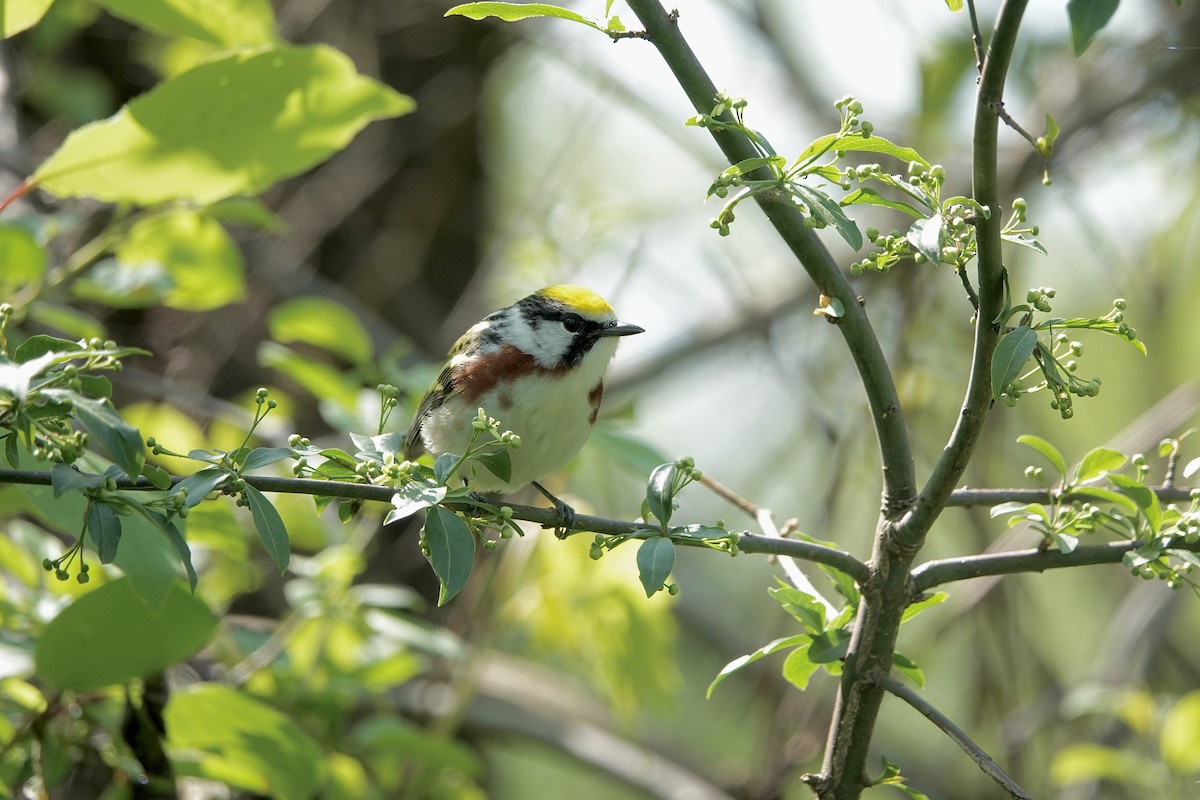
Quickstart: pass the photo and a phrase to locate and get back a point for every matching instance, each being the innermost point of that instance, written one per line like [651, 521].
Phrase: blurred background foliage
[540, 153]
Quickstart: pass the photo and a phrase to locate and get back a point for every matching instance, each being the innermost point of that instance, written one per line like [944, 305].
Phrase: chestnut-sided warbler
[538, 368]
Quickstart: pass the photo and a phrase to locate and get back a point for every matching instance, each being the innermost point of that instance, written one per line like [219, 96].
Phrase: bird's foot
[566, 514]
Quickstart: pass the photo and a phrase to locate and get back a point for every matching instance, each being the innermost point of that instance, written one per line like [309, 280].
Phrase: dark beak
[620, 329]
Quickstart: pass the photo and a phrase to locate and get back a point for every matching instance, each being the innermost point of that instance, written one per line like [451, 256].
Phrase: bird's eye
[573, 323]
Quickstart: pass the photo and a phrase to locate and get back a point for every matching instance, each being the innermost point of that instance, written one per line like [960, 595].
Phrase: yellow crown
[582, 300]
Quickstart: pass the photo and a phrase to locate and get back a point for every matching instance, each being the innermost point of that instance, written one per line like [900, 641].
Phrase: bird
[537, 366]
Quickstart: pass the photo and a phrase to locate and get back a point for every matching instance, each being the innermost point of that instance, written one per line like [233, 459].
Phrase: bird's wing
[442, 388]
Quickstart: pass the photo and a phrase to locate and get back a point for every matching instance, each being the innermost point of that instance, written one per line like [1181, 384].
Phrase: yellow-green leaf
[19, 15]
[234, 125]
[235, 23]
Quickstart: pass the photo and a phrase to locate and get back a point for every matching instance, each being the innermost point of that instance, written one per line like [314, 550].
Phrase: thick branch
[990, 281]
[546, 517]
[896, 452]
[958, 736]
[947, 570]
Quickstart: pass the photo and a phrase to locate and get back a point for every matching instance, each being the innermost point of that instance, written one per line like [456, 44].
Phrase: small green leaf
[411, 498]
[870, 144]
[1107, 496]
[935, 599]
[822, 207]
[1065, 542]
[174, 536]
[829, 646]
[865, 196]
[514, 12]
[954, 5]
[798, 668]
[655, 560]
[1010, 356]
[199, 484]
[122, 441]
[109, 636]
[498, 462]
[1047, 451]
[157, 476]
[1097, 462]
[1191, 468]
[323, 323]
[1025, 241]
[1087, 18]
[451, 550]
[908, 668]
[41, 344]
[262, 456]
[660, 493]
[270, 527]
[232, 125]
[762, 652]
[925, 235]
[104, 526]
[64, 478]
[802, 606]
[442, 466]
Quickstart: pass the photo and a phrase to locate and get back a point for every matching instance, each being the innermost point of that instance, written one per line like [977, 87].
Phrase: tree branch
[990, 281]
[965, 498]
[899, 478]
[948, 570]
[959, 737]
[546, 517]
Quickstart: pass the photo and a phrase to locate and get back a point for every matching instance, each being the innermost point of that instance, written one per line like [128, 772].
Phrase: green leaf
[19, 15]
[104, 526]
[1097, 462]
[23, 258]
[270, 527]
[322, 323]
[798, 668]
[802, 606]
[195, 253]
[1147, 500]
[1050, 137]
[1089, 762]
[870, 144]
[157, 476]
[1047, 451]
[514, 12]
[1025, 241]
[1012, 351]
[220, 733]
[411, 498]
[935, 599]
[925, 235]
[822, 207]
[1064, 542]
[954, 5]
[64, 478]
[451, 550]
[41, 344]
[330, 385]
[498, 462]
[109, 636]
[232, 23]
[762, 652]
[123, 285]
[122, 441]
[829, 646]
[660, 493]
[655, 560]
[260, 457]
[625, 448]
[174, 536]
[1191, 468]
[908, 668]
[865, 196]
[200, 483]
[1087, 18]
[233, 125]
[1107, 496]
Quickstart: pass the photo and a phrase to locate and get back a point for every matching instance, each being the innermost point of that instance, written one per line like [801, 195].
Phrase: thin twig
[1002, 113]
[958, 736]
[766, 522]
[966, 282]
[965, 498]
[976, 36]
[948, 570]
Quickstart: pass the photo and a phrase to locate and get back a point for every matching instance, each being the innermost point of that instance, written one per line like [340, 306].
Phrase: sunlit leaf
[234, 125]
[1097, 462]
[1047, 450]
[19, 15]
[219, 22]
